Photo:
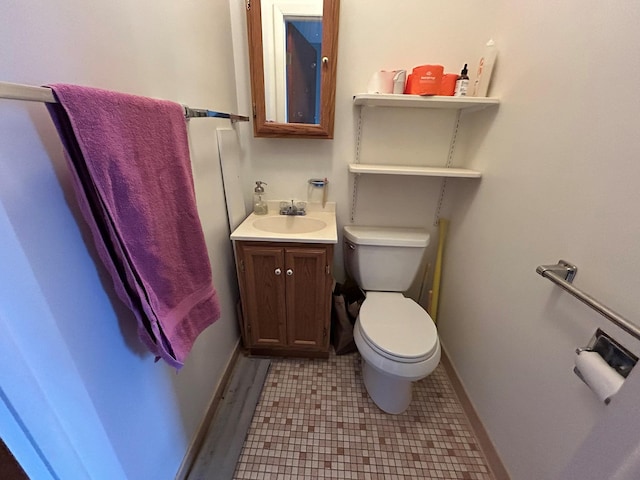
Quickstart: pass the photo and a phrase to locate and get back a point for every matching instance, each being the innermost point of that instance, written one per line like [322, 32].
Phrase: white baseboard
[487, 446]
[201, 431]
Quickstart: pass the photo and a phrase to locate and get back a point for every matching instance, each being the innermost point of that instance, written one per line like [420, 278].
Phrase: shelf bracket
[443, 185]
[354, 196]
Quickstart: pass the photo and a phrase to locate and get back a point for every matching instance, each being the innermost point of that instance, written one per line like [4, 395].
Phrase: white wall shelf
[414, 170]
[417, 101]
[458, 104]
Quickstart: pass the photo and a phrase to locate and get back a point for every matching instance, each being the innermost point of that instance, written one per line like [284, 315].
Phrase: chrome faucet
[286, 209]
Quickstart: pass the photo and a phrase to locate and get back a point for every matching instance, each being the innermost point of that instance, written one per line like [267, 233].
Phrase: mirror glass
[292, 44]
[292, 50]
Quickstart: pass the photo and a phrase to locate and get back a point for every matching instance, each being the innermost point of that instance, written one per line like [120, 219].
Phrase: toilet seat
[397, 328]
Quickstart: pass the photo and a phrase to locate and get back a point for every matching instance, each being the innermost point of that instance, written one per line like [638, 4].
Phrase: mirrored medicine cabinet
[293, 47]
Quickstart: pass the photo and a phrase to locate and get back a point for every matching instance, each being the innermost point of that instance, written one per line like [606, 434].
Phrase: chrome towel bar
[563, 273]
[29, 93]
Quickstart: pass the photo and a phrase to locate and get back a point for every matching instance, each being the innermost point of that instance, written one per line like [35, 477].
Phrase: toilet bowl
[396, 338]
[395, 352]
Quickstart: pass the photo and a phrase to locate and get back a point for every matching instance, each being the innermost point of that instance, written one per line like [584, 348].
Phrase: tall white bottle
[485, 69]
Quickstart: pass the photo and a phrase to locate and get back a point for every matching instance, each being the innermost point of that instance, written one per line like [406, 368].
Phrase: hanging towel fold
[129, 158]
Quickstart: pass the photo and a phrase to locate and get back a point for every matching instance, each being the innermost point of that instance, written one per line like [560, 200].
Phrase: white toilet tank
[384, 259]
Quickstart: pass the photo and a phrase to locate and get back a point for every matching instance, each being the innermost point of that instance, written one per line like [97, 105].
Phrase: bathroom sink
[317, 226]
[289, 224]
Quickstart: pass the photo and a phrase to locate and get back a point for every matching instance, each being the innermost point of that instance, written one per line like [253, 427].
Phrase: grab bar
[563, 273]
[29, 93]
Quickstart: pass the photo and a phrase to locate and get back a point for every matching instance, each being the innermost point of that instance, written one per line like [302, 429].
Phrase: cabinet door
[264, 297]
[308, 299]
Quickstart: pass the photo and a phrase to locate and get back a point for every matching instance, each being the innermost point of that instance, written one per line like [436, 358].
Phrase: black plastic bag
[347, 299]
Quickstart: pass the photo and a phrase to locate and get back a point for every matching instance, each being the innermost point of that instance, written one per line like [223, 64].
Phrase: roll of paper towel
[598, 375]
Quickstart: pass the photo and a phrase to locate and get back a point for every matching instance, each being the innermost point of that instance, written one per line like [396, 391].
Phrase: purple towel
[129, 157]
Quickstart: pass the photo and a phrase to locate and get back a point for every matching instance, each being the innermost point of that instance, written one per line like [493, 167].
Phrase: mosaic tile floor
[315, 420]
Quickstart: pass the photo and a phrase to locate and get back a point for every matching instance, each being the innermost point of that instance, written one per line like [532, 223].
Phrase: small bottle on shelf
[462, 84]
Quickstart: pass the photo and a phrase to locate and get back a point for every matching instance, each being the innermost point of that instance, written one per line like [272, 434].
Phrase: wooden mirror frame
[329, 55]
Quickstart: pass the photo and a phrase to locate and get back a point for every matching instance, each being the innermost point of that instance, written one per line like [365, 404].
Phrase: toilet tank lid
[388, 236]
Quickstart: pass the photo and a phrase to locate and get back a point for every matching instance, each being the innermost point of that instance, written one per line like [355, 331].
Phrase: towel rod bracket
[563, 269]
[555, 273]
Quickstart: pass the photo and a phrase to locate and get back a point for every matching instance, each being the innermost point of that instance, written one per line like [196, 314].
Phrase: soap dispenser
[259, 203]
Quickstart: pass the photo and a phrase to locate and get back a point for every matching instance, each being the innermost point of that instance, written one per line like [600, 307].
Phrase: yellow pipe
[443, 225]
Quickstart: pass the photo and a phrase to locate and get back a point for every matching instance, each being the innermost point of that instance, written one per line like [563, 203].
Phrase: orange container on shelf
[409, 86]
[427, 79]
[448, 84]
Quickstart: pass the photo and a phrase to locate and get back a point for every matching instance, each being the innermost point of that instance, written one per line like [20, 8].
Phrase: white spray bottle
[485, 69]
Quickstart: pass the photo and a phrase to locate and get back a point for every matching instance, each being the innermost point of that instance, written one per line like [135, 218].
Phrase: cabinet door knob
[289, 272]
[278, 271]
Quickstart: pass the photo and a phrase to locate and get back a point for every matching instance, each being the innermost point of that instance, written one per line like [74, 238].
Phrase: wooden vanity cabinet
[285, 291]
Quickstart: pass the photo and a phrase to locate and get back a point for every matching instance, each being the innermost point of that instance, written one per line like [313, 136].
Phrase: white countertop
[247, 230]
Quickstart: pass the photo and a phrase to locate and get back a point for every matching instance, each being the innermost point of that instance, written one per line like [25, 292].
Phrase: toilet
[395, 336]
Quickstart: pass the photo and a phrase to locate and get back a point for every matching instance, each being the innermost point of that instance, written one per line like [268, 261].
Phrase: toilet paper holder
[616, 356]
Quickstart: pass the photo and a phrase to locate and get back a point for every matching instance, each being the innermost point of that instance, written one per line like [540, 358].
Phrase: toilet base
[390, 393]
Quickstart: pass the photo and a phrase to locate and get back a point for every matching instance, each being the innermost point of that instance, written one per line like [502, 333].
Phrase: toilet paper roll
[381, 82]
[598, 375]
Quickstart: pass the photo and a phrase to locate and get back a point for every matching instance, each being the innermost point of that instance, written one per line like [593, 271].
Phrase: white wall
[560, 171]
[177, 51]
[559, 182]
[382, 36]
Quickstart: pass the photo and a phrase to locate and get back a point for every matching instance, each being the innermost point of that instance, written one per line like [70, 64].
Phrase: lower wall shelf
[413, 170]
